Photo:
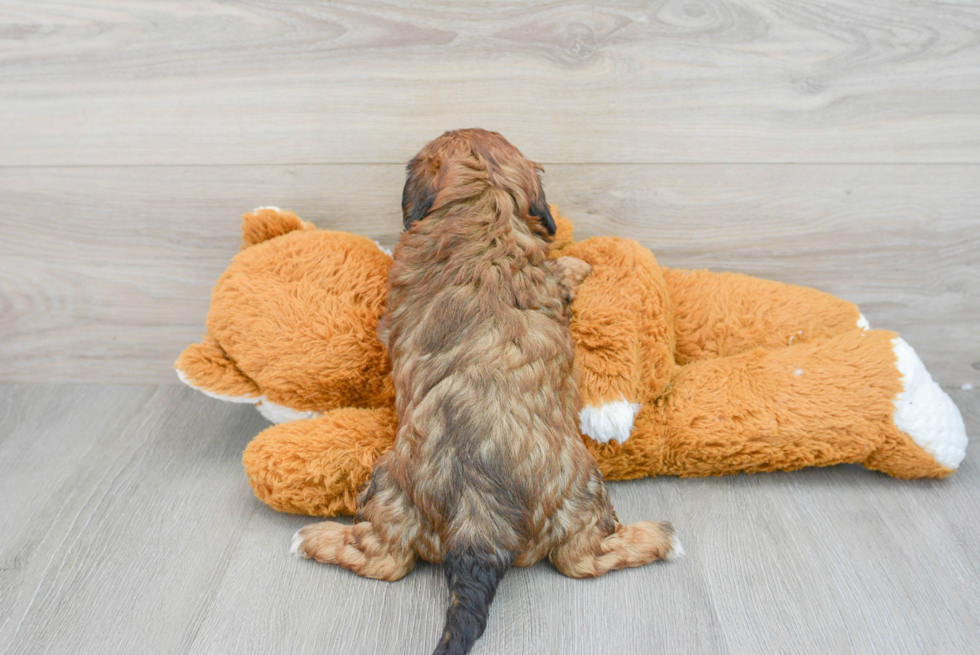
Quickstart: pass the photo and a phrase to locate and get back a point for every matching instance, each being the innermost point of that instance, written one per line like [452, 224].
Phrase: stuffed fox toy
[686, 373]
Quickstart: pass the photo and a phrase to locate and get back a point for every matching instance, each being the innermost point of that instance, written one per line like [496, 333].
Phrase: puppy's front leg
[572, 271]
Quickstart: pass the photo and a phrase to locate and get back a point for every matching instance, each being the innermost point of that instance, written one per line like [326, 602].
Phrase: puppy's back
[483, 370]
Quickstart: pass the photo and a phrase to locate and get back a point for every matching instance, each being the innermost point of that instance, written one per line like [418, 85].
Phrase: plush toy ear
[420, 189]
[264, 223]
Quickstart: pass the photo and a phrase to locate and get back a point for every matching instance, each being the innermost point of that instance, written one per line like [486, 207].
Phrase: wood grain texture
[44, 433]
[138, 533]
[147, 82]
[537, 610]
[843, 561]
[122, 554]
[106, 273]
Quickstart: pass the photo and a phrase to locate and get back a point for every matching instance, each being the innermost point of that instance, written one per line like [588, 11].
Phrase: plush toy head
[293, 320]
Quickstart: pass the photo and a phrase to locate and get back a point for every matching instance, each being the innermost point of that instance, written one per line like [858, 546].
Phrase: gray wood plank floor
[128, 527]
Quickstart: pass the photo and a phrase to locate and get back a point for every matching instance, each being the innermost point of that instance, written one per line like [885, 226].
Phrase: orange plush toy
[685, 373]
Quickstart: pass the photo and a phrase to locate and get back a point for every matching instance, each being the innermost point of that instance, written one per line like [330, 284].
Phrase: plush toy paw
[925, 412]
[274, 413]
[609, 421]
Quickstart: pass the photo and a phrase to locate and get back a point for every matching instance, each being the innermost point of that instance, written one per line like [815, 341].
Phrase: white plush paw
[217, 396]
[863, 322]
[272, 207]
[676, 549]
[272, 412]
[609, 421]
[281, 414]
[924, 411]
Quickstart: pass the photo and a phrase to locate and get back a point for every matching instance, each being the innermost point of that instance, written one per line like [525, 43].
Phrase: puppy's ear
[420, 190]
[539, 208]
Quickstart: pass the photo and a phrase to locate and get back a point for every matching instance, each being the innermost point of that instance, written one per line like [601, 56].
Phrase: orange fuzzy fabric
[730, 373]
[297, 315]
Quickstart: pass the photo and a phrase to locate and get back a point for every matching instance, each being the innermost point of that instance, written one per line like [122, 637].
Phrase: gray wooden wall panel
[106, 273]
[147, 82]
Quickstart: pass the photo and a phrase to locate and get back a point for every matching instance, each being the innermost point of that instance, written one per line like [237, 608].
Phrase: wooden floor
[129, 528]
[831, 143]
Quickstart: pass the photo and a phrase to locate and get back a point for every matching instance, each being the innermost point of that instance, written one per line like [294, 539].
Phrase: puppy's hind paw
[676, 549]
[320, 541]
[296, 544]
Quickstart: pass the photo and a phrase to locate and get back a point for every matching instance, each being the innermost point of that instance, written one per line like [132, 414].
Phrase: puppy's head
[454, 166]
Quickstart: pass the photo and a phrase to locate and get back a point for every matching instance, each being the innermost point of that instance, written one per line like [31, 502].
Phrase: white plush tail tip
[925, 412]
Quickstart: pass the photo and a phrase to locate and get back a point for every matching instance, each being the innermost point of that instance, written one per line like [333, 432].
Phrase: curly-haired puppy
[488, 469]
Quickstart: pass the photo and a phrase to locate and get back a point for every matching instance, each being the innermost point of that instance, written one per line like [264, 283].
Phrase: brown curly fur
[488, 455]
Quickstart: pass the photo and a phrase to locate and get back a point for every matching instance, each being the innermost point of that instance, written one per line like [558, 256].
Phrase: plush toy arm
[317, 466]
[621, 323]
[860, 397]
[721, 314]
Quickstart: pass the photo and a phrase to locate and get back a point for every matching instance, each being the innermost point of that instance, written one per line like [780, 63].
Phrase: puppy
[488, 469]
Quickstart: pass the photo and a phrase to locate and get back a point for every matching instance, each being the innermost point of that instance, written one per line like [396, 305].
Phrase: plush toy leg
[723, 314]
[317, 466]
[623, 331]
[828, 402]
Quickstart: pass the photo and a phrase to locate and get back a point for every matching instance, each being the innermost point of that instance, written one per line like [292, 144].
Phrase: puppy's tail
[473, 576]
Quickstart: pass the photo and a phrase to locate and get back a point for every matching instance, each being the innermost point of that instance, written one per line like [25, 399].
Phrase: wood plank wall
[834, 144]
